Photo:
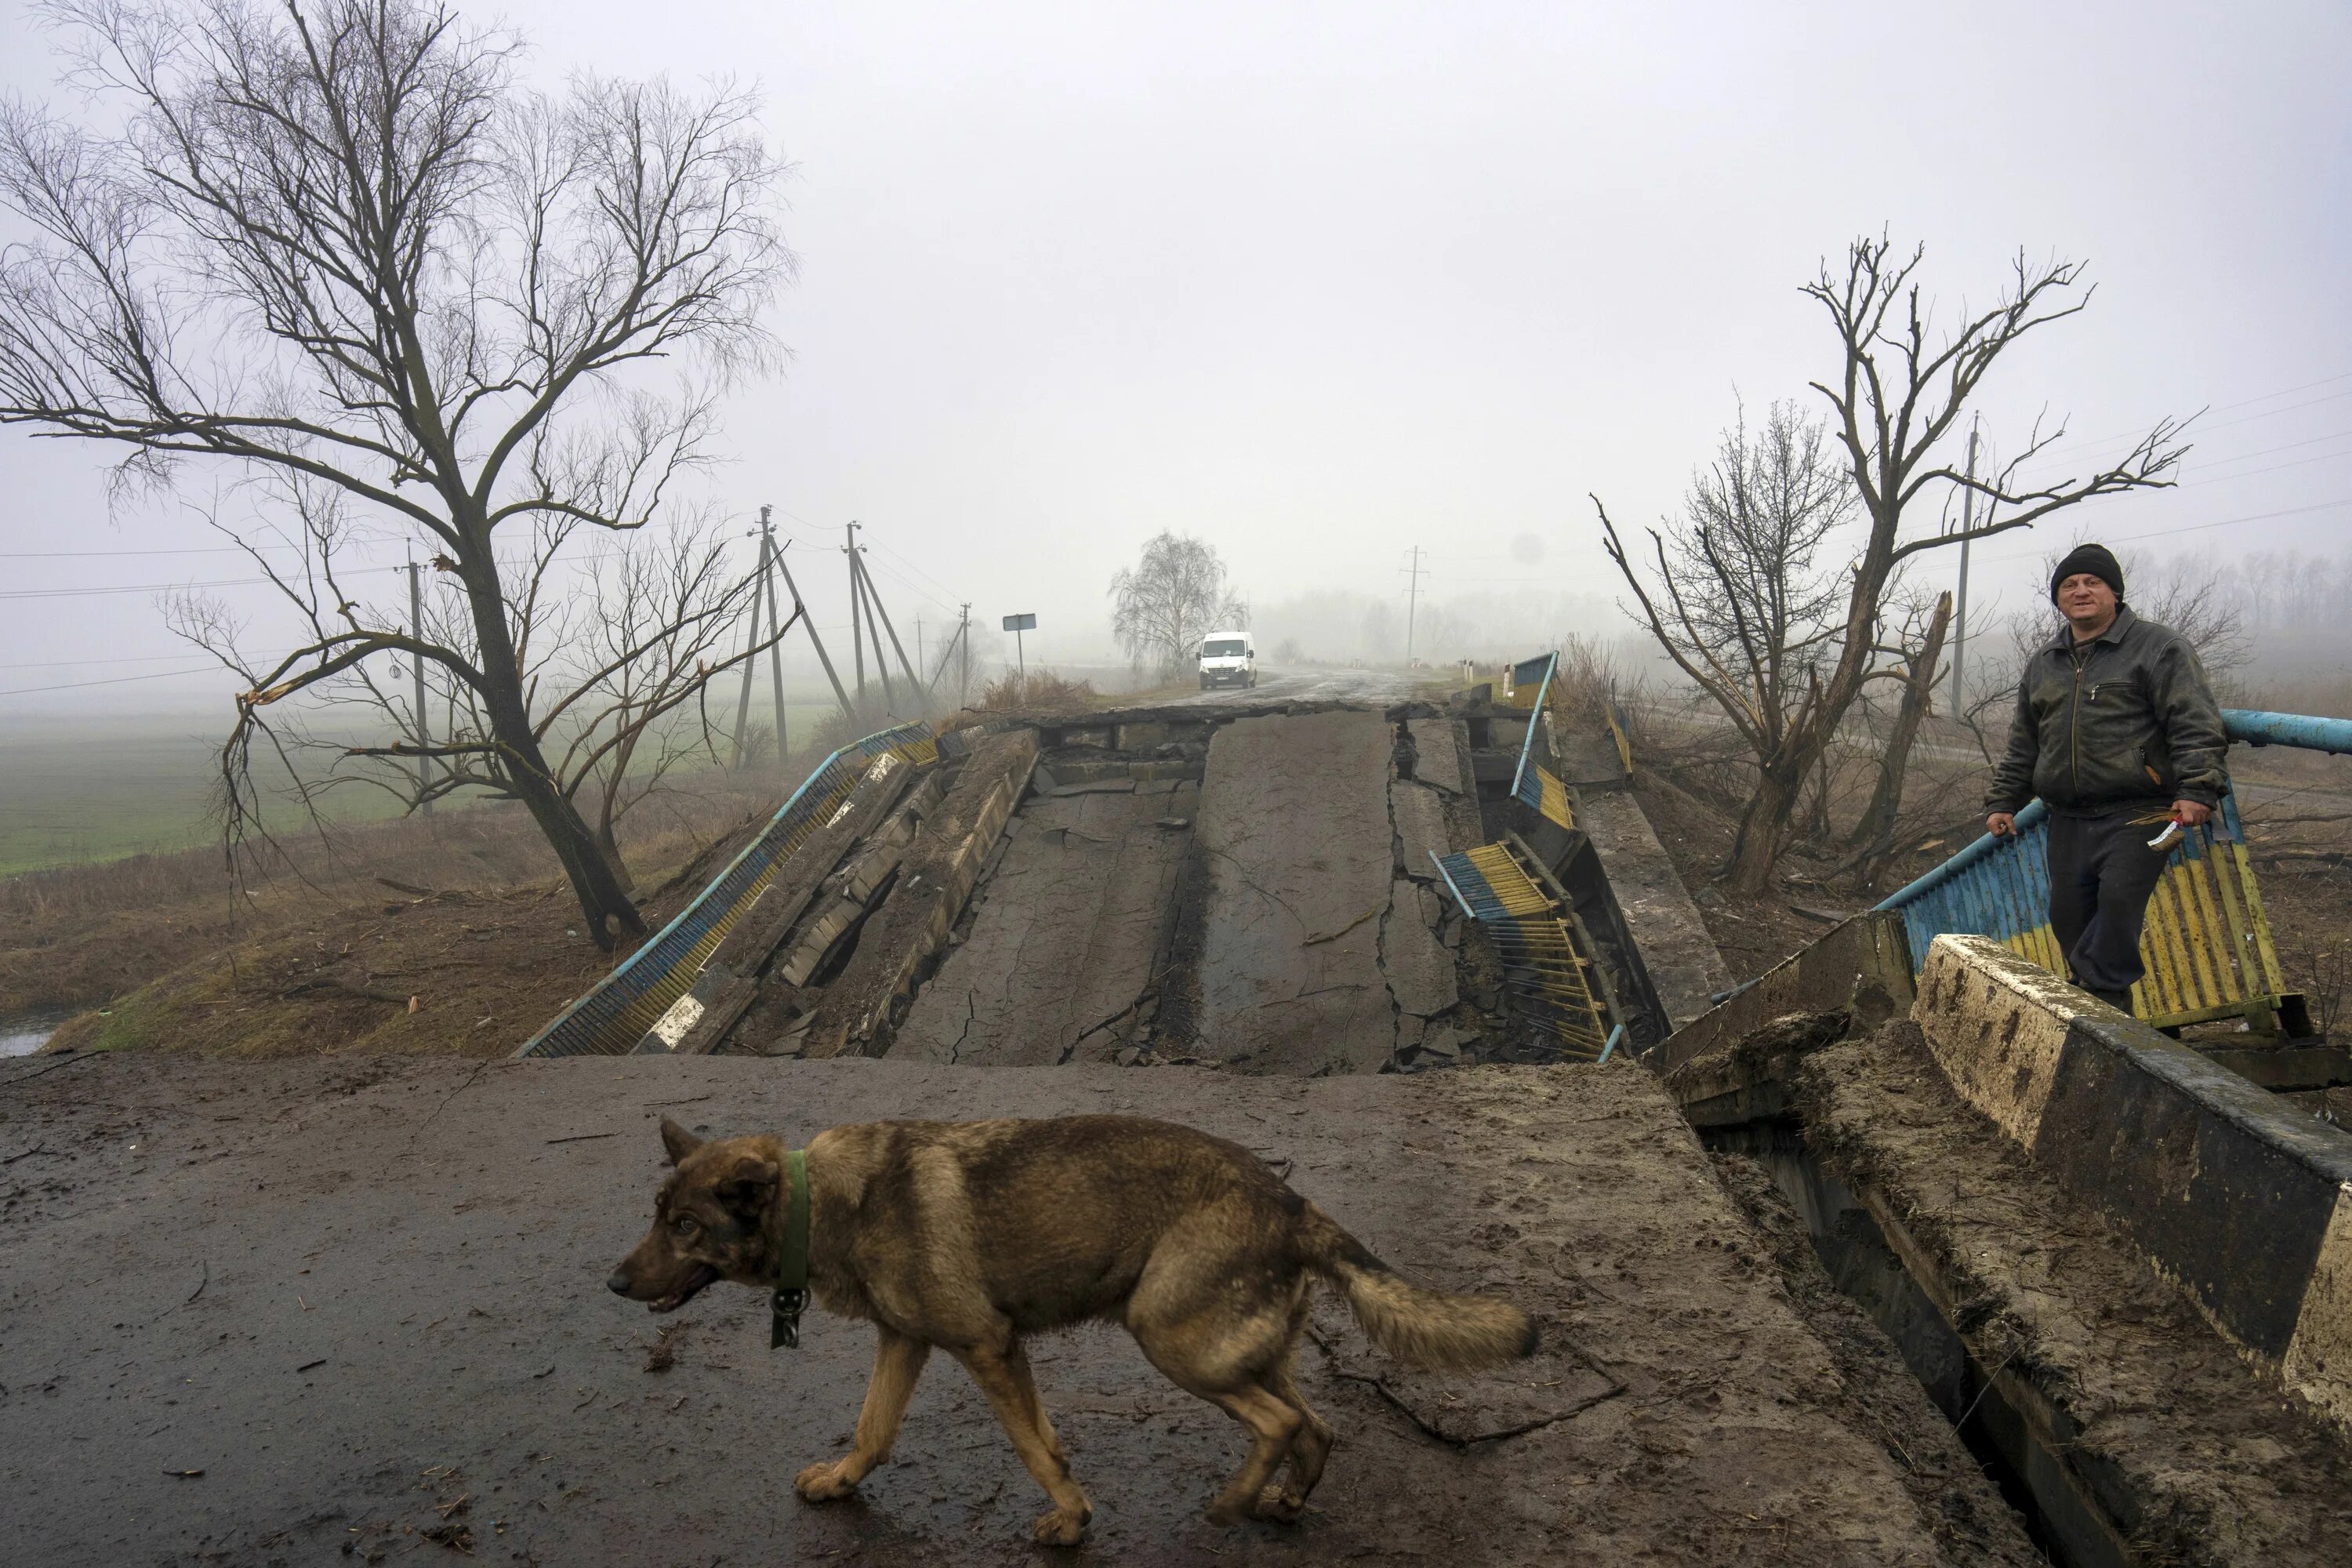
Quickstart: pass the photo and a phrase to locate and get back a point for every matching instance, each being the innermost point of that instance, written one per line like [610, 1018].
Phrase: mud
[2225, 1468]
[364, 1299]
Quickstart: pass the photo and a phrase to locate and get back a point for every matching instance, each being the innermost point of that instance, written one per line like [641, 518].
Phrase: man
[2116, 731]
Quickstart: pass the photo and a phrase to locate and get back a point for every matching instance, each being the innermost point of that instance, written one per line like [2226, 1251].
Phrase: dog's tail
[1433, 1328]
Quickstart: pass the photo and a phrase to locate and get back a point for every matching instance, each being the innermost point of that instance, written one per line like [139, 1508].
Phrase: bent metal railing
[2207, 946]
[1533, 938]
[615, 1013]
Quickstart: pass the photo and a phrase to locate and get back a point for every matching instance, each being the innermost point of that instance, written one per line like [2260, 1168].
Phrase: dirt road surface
[257, 1313]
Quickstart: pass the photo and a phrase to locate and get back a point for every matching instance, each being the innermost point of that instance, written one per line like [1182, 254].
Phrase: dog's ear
[679, 1142]
[747, 1186]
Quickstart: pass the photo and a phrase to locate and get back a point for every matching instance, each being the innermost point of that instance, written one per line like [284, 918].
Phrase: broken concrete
[937, 874]
[1684, 963]
[1058, 962]
[1294, 831]
[1440, 754]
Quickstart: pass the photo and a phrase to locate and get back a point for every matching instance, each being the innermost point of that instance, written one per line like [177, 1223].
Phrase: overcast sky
[1320, 283]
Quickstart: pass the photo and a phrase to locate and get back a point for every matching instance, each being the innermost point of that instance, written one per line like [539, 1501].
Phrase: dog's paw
[1060, 1529]
[1223, 1512]
[1280, 1503]
[822, 1483]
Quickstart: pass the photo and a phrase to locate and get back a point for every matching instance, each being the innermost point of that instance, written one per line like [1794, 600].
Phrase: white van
[1227, 659]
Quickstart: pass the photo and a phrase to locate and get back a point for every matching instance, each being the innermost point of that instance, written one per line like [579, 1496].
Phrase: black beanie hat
[2095, 558]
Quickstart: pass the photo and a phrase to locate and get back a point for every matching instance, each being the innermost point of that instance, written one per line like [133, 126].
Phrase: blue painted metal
[2259, 728]
[1615, 1035]
[2207, 949]
[1471, 888]
[1451, 885]
[609, 1020]
[1524, 783]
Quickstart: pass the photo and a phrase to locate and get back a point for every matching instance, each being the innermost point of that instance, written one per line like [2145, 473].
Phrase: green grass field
[73, 793]
[78, 792]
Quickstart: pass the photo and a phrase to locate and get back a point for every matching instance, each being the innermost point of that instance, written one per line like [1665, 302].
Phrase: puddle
[22, 1033]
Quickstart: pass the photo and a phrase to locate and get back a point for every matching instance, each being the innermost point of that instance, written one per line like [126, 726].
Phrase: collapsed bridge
[1901, 1254]
[1279, 888]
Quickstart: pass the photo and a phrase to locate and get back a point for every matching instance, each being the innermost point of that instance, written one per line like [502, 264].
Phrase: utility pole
[958, 653]
[860, 583]
[752, 643]
[771, 557]
[856, 644]
[424, 724]
[800, 614]
[1960, 610]
[1411, 600]
[875, 615]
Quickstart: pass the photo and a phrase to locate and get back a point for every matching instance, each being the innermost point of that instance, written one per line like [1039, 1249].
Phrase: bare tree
[618, 664]
[1918, 656]
[1749, 610]
[1896, 399]
[1175, 596]
[339, 246]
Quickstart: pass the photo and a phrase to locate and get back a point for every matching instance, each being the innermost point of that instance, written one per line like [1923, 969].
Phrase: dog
[970, 1235]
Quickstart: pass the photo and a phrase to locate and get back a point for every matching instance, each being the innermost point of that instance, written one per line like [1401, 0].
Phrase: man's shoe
[2119, 1000]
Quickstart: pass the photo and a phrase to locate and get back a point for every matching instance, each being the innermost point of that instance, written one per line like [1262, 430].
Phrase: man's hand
[2000, 825]
[2190, 812]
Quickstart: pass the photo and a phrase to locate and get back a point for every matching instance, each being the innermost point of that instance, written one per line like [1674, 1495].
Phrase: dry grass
[1039, 691]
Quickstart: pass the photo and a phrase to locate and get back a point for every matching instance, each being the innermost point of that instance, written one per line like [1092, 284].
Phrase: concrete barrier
[2243, 1203]
[1863, 964]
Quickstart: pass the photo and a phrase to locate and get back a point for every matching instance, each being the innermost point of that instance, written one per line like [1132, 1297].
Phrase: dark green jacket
[2130, 721]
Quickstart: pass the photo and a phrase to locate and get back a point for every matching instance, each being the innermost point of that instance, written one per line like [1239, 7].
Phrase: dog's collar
[790, 1297]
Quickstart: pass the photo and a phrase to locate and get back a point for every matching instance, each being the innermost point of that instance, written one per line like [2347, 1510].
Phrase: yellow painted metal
[1617, 733]
[2264, 953]
[2207, 945]
[1555, 805]
[1539, 953]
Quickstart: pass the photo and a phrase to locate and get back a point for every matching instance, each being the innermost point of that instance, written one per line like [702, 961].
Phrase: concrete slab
[1061, 940]
[346, 1293]
[1418, 813]
[1438, 749]
[1295, 828]
[2243, 1201]
[1418, 967]
[1684, 963]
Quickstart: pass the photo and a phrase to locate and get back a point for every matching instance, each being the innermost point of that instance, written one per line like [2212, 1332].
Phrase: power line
[2198, 527]
[86, 663]
[114, 681]
[80, 554]
[2224, 408]
[167, 588]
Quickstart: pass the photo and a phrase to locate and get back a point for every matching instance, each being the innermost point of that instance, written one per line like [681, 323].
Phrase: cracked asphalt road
[254, 1313]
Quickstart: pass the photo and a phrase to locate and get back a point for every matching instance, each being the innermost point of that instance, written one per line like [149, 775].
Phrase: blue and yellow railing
[2207, 946]
[1533, 939]
[1532, 784]
[618, 1009]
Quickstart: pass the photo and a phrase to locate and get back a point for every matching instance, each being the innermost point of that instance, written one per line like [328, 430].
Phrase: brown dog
[969, 1236]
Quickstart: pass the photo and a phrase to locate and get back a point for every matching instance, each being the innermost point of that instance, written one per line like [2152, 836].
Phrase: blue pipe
[2029, 818]
[1535, 717]
[2259, 728]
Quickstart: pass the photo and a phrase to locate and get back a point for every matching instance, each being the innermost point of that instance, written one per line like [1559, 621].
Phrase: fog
[1320, 284]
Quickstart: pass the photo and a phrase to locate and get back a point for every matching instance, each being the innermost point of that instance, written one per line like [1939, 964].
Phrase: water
[22, 1033]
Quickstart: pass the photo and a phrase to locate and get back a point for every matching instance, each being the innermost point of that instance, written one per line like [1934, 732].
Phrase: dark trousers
[2101, 874]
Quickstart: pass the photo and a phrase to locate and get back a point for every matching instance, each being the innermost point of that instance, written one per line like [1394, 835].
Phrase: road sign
[1019, 623]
